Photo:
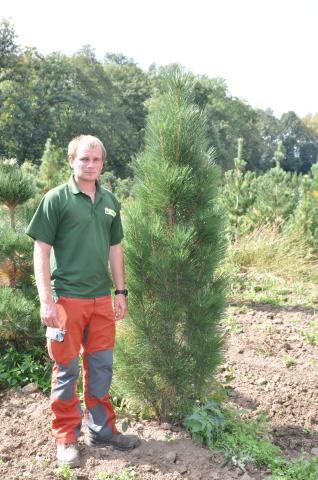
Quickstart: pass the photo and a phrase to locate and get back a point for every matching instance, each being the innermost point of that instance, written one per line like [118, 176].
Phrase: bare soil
[269, 365]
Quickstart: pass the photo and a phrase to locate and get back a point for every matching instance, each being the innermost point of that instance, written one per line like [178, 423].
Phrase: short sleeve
[44, 223]
[116, 231]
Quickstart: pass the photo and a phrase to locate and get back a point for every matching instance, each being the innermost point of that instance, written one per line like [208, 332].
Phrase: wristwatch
[121, 292]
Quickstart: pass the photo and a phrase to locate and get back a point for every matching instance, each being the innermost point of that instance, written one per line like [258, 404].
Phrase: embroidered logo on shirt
[109, 211]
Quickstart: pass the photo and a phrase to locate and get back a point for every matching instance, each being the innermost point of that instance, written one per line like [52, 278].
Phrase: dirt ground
[269, 365]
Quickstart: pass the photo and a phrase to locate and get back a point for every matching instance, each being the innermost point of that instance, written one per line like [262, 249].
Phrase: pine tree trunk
[12, 217]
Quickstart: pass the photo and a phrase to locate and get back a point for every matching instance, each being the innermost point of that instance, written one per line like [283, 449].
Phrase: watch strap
[121, 292]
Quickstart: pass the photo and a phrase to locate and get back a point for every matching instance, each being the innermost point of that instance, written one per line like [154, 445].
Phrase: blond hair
[87, 140]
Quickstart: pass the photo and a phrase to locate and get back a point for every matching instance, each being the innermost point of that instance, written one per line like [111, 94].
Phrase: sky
[266, 50]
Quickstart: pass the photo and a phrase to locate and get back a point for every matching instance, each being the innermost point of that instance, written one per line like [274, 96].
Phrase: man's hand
[120, 306]
[49, 314]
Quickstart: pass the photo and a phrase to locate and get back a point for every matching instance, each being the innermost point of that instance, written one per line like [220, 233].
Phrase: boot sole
[76, 463]
[108, 444]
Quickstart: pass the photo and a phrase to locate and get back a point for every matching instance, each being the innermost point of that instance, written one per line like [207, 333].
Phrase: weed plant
[311, 333]
[206, 423]
[241, 441]
[288, 361]
[245, 441]
[20, 368]
[301, 469]
[127, 474]
[64, 472]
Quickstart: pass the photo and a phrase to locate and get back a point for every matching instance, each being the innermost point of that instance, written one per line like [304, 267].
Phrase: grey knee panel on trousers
[97, 423]
[100, 369]
[66, 377]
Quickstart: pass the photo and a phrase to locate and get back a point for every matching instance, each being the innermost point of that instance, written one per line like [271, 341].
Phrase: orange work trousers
[89, 325]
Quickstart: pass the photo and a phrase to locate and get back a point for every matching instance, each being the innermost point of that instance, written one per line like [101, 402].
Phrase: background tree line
[57, 96]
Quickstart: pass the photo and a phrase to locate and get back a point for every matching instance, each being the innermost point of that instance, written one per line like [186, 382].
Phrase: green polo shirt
[81, 233]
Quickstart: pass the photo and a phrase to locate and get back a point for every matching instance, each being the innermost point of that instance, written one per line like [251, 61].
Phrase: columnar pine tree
[238, 193]
[54, 170]
[170, 344]
[279, 154]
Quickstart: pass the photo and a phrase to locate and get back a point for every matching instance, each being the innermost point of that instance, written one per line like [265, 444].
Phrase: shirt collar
[74, 187]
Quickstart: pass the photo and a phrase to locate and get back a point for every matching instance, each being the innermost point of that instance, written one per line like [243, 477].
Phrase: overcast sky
[266, 50]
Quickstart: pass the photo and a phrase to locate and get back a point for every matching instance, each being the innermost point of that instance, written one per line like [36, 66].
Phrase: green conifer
[277, 194]
[238, 192]
[305, 219]
[15, 187]
[170, 345]
[54, 168]
[18, 322]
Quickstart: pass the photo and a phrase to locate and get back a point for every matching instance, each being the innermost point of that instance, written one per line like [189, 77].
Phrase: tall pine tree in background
[170, 345]
[54, 168]
[238, 193]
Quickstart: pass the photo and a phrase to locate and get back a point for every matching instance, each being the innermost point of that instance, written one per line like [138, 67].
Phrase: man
[77, 230]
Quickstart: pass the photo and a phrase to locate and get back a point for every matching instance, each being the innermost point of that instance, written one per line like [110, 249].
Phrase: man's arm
[116, 262]
[48, 312]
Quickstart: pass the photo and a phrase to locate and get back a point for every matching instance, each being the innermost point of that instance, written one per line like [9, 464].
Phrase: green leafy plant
[19, 368]
[206, 423]
[242, 441]
[245, 441]
[127, 474]
[64, 472]
[104, 476]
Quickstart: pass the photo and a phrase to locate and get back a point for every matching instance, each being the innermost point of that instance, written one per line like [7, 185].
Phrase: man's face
[87, 164]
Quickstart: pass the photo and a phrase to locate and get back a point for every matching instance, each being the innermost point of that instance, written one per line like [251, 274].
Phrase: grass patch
[268, 266]
[268, 250]
[267, 288]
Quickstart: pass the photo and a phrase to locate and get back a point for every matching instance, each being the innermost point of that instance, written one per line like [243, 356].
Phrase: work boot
[68, 453]
[118, 441]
